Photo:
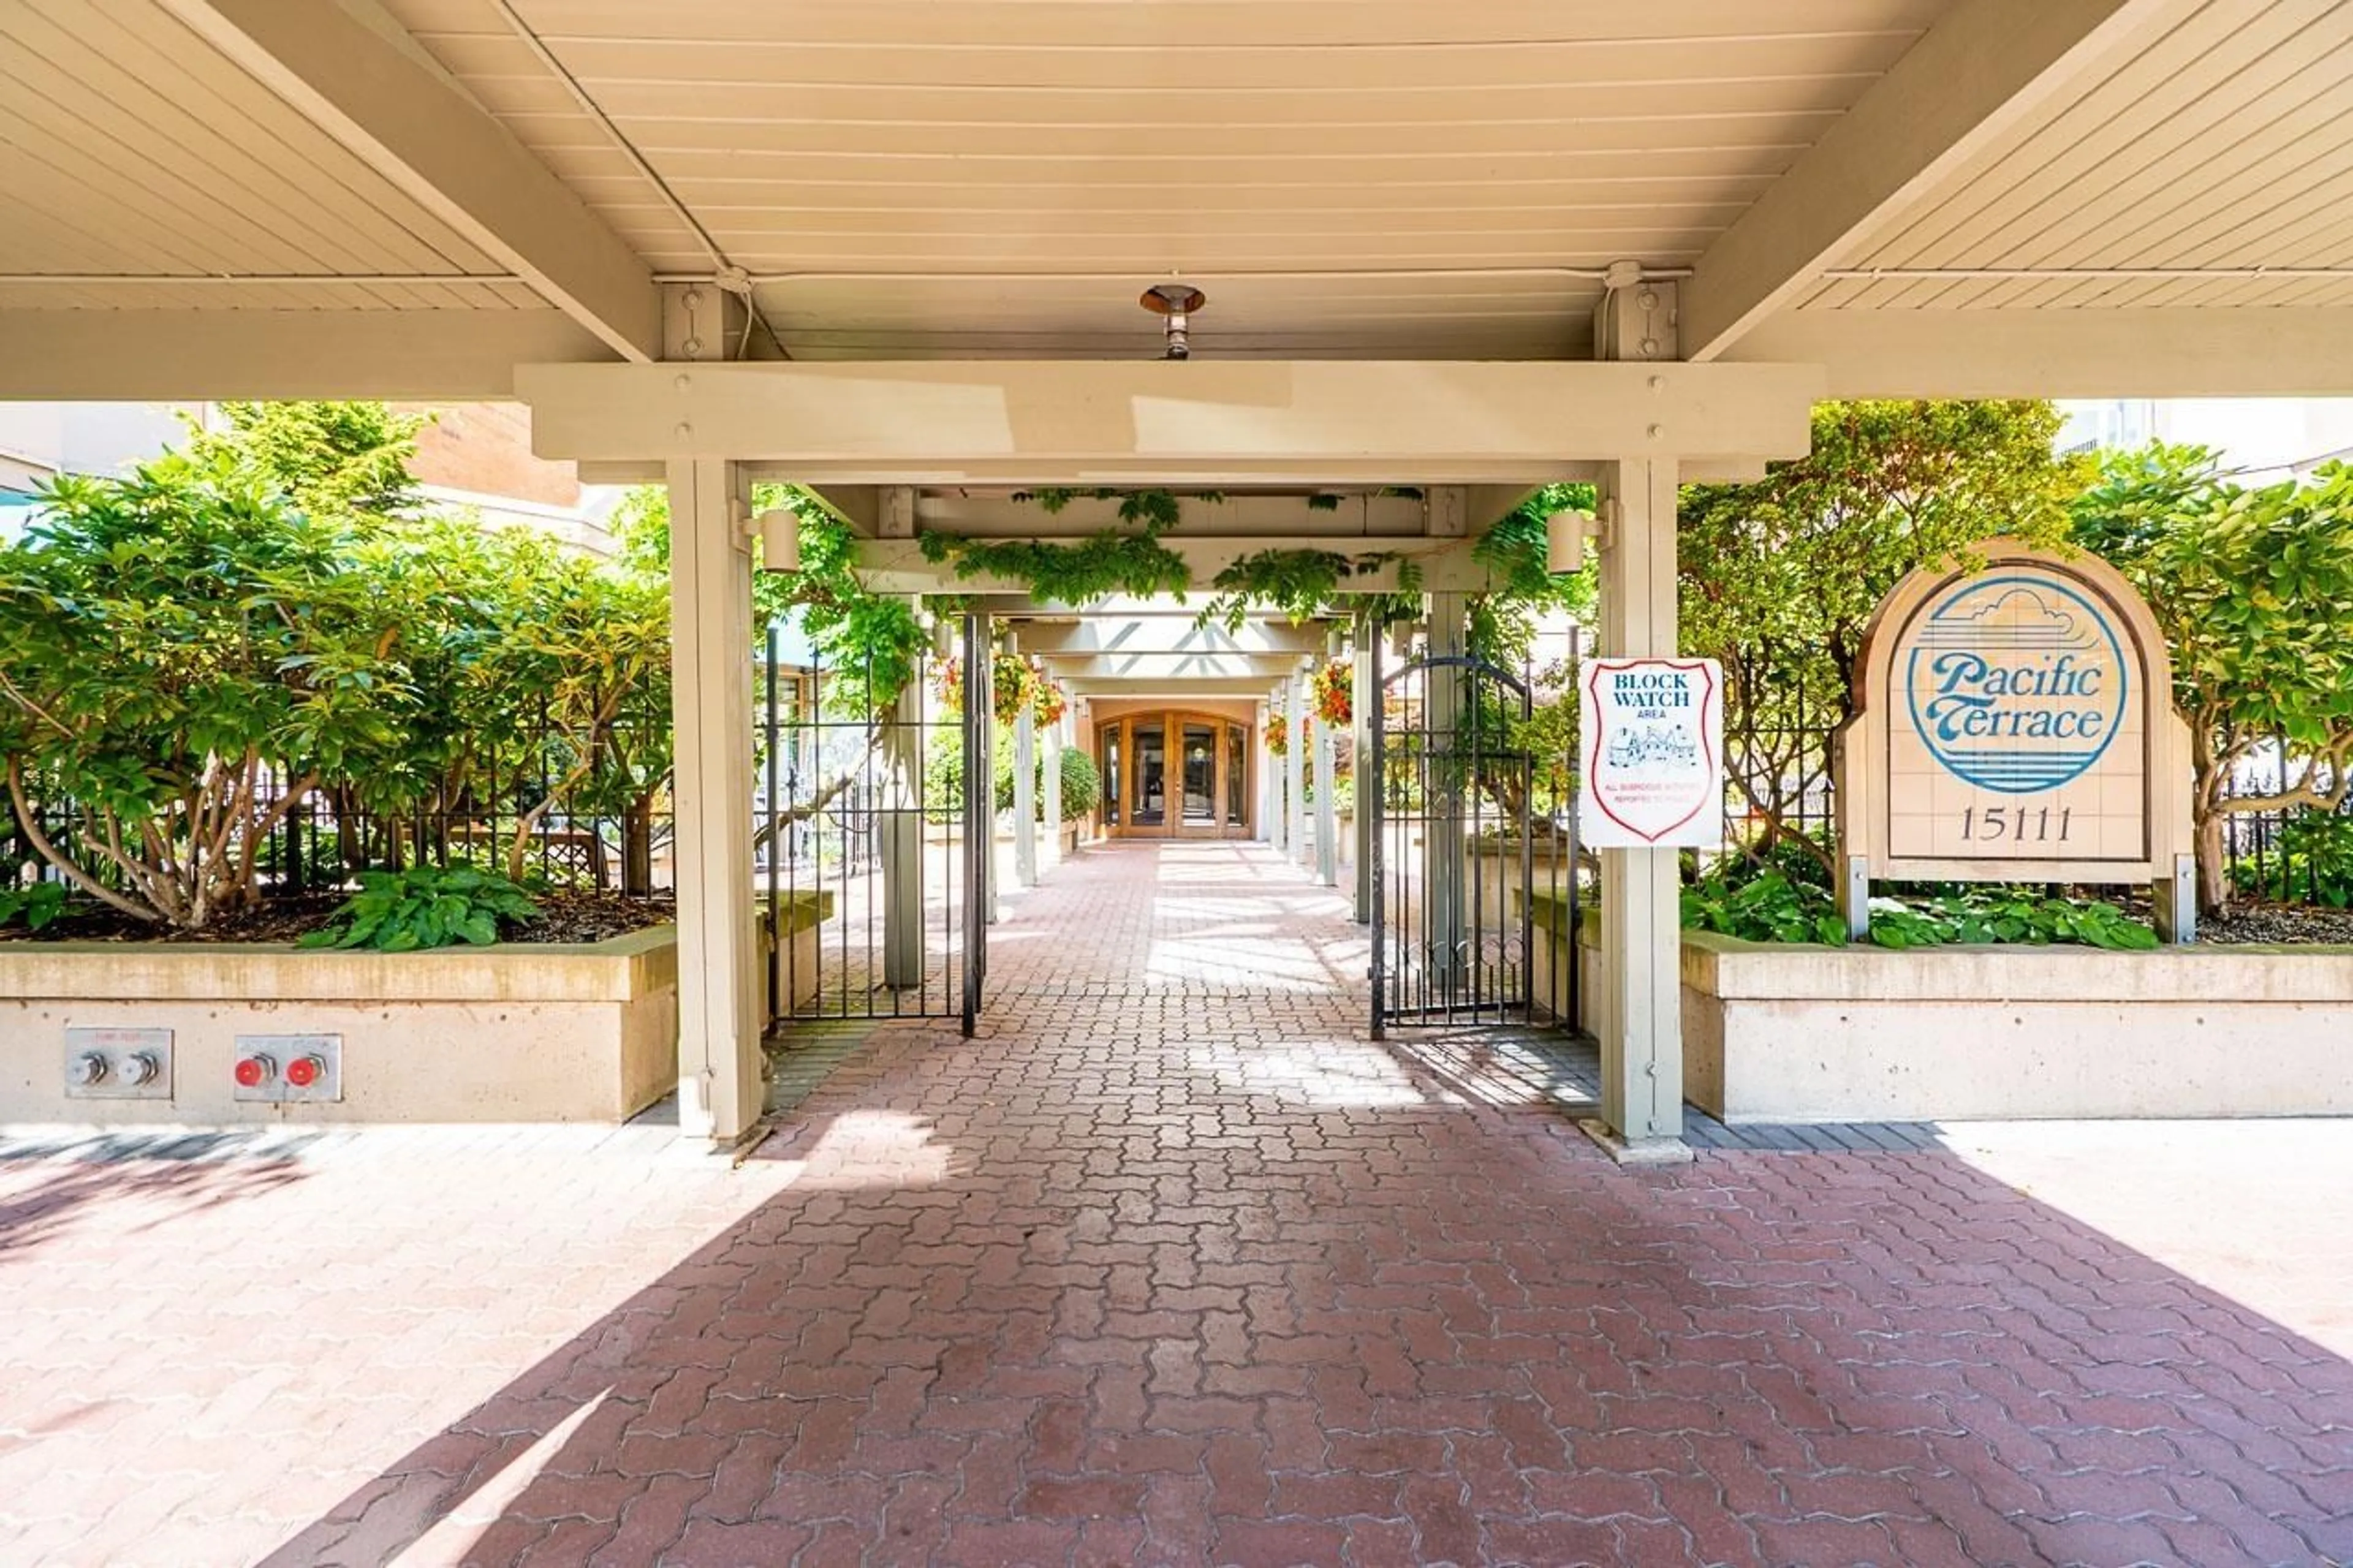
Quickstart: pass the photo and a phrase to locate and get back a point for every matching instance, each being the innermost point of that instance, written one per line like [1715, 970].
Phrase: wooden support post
[1327, 817]
[1362, 700]
[902, 842]
[1269, 778]
[1295, 766]
[720, 1095]
[1641, 926]
[1025, 791]
[1444, 863]
[1054, 777]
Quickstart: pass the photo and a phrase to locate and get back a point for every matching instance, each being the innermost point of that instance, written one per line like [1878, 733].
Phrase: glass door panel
[1107, 743]
[1200, 764]
[1151, 767]
[1237, 776]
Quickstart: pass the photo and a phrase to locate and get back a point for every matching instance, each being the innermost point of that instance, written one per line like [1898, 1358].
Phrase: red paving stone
[1170, 1265]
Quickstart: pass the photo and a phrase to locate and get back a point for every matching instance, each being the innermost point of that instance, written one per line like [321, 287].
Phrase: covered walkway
[1171, 1266]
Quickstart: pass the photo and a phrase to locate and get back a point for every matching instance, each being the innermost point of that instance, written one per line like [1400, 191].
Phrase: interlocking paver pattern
[1170, 1265]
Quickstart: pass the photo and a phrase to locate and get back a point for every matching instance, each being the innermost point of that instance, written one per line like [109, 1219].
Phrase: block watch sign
[1654, 760]
[2016, 724]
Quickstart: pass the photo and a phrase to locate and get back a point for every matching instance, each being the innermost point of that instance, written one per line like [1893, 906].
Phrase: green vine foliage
[1076, 574]
[873, 643]
[1301, 583]
[1783, 898]
[1151, 508]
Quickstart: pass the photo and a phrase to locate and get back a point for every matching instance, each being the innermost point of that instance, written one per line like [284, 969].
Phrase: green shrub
[38, 904]
[1785, 902]
[943, 777]
[425, 906]
[2003, 915]
[1082, 784]
[2313, 865]
[1736, 899]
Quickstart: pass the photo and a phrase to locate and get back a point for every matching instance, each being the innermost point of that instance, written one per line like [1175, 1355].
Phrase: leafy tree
[560, 656]
[872, 643]
[168, 641]
[330, 459]
[2253, 588]
[1779, 577]
[1502, 630]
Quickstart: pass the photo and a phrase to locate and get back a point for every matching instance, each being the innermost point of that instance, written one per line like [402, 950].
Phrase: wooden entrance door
[1174, 774]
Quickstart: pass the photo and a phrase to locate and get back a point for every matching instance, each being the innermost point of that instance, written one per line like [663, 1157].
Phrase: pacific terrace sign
[2016, 725]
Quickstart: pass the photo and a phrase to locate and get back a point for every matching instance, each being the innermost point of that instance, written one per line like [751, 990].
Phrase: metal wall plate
[106, 1063]
[281, 1061]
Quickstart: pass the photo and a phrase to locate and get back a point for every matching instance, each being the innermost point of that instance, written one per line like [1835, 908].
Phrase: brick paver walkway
[1171, 1266]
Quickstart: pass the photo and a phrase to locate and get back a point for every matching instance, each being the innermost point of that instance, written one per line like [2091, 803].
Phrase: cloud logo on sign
[2016, 684]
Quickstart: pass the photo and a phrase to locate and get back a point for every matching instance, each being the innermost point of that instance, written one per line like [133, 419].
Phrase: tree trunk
[2213, 880]
[637, 847]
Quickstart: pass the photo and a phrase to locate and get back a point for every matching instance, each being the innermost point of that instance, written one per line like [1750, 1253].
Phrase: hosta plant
[425, 906]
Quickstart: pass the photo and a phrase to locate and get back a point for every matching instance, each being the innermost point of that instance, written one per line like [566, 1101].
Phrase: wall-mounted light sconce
[1565, 536]
[779, 530]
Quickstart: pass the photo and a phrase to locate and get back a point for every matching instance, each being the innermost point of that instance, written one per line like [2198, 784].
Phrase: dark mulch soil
[569, 916]
[2298, 923]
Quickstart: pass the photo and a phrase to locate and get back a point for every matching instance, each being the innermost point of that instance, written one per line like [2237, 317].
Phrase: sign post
[2016, 725]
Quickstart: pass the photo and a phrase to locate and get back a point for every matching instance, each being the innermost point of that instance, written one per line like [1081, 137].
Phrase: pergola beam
[1216, 424]
[898, 567]
[1127, 635]
[171, 356]
[1343, 517]
[1979, 71]
[1252, 685]
[352, 70]
[2246, 352]
[1167, 665]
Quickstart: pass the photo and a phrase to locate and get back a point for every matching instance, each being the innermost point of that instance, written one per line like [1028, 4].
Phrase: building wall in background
[2265, 438]
[474, 458]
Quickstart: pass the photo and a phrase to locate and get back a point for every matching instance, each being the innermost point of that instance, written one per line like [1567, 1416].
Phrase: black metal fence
[513, 803]
[862, 851]
[1463, 864]
[2270, 853]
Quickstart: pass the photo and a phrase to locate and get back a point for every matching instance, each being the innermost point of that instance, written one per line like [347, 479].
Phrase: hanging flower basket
[1334, 689]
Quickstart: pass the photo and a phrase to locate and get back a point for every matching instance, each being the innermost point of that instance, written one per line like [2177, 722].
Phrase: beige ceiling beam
[200, 355]
[1343, 517]
[2207, 353]
[1982, 68]
[1264, 667]
[1214, 424]
[895, 567]
[1106, 636]
[350, 68]
[1199, 686]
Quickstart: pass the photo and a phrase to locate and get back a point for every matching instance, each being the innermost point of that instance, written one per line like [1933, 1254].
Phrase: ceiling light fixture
[1175, 303]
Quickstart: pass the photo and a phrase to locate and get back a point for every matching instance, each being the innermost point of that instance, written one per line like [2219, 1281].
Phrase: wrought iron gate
[873, 846]
[1459, 852]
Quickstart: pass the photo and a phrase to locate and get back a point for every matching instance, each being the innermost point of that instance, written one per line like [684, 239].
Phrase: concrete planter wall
[1864, 1034]
[521, 1033]
[1792, 1033]
[789, 938]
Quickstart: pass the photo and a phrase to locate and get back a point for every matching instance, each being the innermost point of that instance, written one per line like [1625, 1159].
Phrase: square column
[902, 842]
[1269, 801]
[1053, 778]
[1025, 794]
[1641, 1004]
[1327, 817]
[1295, 766]
[1367, 780]
[720, 1095]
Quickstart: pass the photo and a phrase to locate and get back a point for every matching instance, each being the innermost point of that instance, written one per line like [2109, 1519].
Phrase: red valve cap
[303, 1071]
[253, 1070]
